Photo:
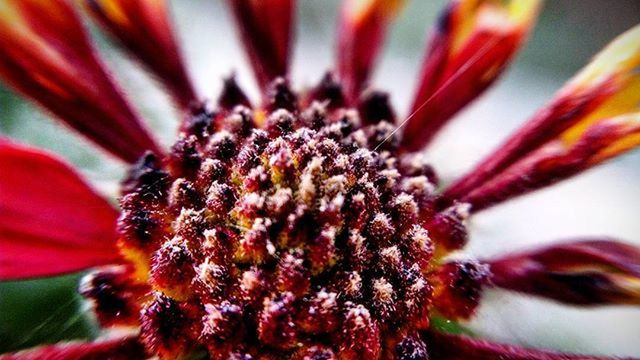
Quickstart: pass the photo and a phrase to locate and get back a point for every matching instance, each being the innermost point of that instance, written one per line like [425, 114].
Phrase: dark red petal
[470, 47]
[559, 160]
[361, 33]
[46, 55]
[554, 118]
[265, 28]
[144, 28]
[583, 272]
[51, 221]
[112, 349]
[454, 347]
[608, 87]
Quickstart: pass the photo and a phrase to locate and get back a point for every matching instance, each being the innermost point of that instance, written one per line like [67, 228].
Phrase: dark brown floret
[459, 287]
[232, 95]
[184, 159]
[374, 107]
[183, 193]
[330, 90]
[280, 96]
[360, 335]
[147, 178]
[166, 328]
[275, 326]
[222, 326]
[141, 225]
[315, 353]
[172, 269]
[448, 228]
[114, 296]
[319, 313]
[411, 348]
[291, 274]
[198, 121]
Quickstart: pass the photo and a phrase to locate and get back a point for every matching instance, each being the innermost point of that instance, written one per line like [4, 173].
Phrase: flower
[308, 225]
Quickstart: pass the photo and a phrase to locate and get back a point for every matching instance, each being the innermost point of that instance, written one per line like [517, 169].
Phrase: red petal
[144, 28]
[453, 347]
[265, 29]
[361, 33]
[547, 123]
[608, 87]
[585, 272]
[113, 349]
[46, 55]
[51, 221]
[558, 161]
[472, 43]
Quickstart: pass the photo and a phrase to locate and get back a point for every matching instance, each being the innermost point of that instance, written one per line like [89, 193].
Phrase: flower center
[279, 233]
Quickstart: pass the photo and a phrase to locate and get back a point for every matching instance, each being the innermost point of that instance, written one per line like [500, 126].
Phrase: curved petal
[363, 24]
[51, 221]
[559, 160]
[471, 45]
[606, 88]
[46, 55]
[144, 28]
[113, 349]
[265, 28]
[454, 347]
[583, 272]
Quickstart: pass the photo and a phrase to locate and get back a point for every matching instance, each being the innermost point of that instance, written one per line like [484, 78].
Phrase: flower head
[308, 227]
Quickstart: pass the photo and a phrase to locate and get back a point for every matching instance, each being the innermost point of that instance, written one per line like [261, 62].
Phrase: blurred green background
[568, 34]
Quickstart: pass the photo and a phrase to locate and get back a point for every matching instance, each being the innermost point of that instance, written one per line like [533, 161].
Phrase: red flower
[308, 227]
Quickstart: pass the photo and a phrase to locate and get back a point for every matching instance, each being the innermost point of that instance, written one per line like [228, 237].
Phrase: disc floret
[282, 232]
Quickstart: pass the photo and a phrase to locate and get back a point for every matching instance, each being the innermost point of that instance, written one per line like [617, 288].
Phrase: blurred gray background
[601, 202]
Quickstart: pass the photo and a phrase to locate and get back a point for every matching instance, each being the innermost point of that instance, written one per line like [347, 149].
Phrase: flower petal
[559, 160]
[455, 347]
[46, 55]
[608, 87]
[361, 33]
[51, 221]
[265, 28]
[471, 45]
[582, 272]
[113, 349]
[144, 28]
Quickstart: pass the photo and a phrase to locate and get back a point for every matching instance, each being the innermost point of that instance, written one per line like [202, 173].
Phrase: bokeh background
[603, 201]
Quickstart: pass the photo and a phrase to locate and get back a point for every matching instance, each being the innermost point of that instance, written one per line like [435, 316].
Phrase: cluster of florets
[279, 233]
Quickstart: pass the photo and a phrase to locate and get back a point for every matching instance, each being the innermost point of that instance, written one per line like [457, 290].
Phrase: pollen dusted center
[276, 233]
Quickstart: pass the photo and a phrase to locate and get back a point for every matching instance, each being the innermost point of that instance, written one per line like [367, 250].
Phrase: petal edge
[51, 221]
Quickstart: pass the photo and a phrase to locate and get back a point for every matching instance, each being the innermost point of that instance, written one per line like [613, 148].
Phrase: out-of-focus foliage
[42, 311]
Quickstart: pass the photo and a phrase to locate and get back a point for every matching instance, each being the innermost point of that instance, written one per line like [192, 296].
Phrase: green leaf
[34, 312]
[445, 325]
